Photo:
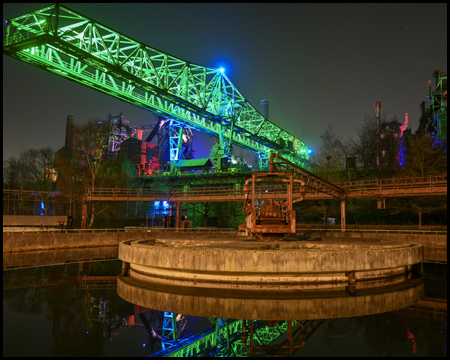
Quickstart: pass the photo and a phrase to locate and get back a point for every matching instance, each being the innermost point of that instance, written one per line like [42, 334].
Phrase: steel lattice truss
[281, 165]
[80, 49]
[225, 340]
[197, 343]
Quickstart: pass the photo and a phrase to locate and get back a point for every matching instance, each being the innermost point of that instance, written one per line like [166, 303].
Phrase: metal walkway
[379, 188]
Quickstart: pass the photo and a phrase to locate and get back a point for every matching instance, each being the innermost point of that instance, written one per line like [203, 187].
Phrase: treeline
[407, 156]
[89, 165]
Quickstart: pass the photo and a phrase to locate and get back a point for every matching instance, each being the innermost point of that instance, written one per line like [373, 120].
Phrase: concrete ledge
[427, 240]
[263, 281]
[34, 241]
[435, 246]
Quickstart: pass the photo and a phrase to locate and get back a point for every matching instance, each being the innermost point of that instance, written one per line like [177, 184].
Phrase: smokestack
[378, 105]
[69, 132]
[265, 109]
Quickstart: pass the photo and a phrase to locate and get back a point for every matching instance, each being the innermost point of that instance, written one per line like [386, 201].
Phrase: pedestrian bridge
[377, 188]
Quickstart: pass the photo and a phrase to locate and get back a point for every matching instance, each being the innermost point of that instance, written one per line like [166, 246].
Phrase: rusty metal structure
[298, 331]
[436, 108]
[274, 218]
[313, 188]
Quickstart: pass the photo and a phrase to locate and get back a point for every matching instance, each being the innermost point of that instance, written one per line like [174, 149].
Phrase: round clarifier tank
[201, 277]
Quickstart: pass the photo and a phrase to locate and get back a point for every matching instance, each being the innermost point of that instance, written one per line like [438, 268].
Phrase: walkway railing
[126, 228]
[396, 185]
[379, 231]
[412, 186]
[214, 229]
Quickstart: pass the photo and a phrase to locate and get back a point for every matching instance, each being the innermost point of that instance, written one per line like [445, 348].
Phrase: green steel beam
[197, 343]
[225, 340]
[80, 49]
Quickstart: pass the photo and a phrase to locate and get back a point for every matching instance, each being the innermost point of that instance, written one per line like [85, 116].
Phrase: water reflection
[59, 256]
[72, 310]
[384, 295]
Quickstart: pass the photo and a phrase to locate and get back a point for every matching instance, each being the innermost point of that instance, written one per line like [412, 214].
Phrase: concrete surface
[254, 265]
[435, 246]
[33, 241]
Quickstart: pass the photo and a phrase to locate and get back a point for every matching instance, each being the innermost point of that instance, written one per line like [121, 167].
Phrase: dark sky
[317, 64]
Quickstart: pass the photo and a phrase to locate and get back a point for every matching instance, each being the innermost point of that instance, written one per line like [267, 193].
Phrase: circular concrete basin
[251, 265]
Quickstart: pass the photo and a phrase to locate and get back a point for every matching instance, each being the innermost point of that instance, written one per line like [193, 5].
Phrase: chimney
[265, 109]
[69, 132]
[378, 106]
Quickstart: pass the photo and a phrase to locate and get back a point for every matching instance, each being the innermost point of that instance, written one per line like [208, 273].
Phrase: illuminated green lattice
[80, 49]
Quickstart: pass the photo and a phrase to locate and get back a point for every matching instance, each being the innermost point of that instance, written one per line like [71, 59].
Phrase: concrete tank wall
[31, 241]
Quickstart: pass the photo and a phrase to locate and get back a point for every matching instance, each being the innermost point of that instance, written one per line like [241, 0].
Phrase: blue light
[143, 345]
[309, 151]
[222, 70]
[166, 204]
[157, 203]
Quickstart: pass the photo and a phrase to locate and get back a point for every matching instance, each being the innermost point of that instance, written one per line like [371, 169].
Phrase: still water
[72, 308]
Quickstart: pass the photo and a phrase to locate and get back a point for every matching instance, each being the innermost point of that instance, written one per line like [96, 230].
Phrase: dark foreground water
[55, 311]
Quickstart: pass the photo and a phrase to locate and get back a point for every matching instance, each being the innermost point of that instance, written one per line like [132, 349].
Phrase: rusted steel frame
[261, 177]
[310, 179]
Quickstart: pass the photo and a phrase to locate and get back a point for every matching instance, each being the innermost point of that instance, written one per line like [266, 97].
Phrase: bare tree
[331, 154]
[13, 176]
[203, 209]
[330, 165]
[91, 142]
[365, 147]
[423, 158]
[37, 165]
[419, 206]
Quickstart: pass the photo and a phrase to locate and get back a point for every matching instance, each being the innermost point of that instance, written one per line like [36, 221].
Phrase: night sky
[317, 64]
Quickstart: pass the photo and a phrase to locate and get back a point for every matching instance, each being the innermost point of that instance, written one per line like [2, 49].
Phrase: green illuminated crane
[80, 49]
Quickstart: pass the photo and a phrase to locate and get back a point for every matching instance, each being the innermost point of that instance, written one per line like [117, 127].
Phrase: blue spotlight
[222, 70]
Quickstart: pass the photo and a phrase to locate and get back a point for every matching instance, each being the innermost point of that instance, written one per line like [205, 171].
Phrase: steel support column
[83, 215]
[343, 218]
[178, 214]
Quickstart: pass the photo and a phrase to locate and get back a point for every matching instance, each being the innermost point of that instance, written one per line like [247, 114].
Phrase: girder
[80, 49]
[197, 343]
[281, 165]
